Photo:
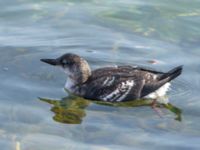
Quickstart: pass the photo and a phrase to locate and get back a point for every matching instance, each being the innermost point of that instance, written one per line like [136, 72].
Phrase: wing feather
[115, 88]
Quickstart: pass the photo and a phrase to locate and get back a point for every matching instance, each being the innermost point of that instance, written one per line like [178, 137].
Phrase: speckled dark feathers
[125, 83]
[98, 89]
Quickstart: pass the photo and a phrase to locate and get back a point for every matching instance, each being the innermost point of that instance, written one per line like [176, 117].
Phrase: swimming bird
[113, 84]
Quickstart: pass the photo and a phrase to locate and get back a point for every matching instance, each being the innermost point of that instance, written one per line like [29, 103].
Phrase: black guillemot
[113, 84]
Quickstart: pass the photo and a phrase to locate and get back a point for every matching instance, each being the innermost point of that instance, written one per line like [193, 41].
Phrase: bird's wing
[130, 70]
[140, 68]
[114, 88]
[150, 70]
[147, 74]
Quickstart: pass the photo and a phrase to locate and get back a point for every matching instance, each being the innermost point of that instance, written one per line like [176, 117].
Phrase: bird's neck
[80, 74]
[75, 81]
[70, 84]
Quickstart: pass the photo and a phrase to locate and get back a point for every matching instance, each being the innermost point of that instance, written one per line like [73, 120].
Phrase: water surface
[105, 33]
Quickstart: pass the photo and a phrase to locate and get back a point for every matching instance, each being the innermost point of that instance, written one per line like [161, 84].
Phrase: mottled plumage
[113, 84]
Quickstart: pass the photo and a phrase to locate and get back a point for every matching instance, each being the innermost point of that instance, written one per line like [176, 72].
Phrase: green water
[105, 33]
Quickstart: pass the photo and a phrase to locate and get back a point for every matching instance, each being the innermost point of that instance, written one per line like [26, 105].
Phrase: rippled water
[105, 33]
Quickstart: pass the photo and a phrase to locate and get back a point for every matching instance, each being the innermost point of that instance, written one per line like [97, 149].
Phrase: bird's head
[73, 65]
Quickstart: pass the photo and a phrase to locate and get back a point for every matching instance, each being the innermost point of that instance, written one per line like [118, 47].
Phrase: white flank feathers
[160, 92]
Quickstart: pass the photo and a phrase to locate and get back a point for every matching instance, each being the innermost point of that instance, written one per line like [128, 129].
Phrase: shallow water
[105, 33]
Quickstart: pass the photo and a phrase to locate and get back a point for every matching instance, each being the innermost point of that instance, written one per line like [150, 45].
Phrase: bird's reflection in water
[71, 109]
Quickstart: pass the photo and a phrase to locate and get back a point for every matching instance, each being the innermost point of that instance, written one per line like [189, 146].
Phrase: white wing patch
[109, 81]
[104, 83]
[150, 76]
[128, 84]
[154, 77]
[111, 95]
[120, 92]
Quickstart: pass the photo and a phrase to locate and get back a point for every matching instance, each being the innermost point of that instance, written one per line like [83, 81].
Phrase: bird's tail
[162, 80]
[172, 74]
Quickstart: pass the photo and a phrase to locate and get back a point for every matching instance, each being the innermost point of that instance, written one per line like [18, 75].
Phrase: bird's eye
[66, 63]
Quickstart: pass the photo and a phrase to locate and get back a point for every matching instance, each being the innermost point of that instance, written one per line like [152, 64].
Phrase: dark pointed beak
[53, 62]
